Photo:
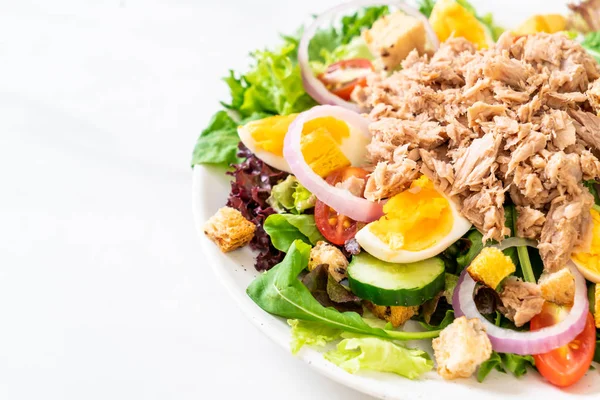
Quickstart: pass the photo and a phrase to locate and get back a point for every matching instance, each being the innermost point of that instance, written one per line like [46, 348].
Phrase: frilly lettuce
[290, 196]
[356, 353]
[359, 352]
[311, 334]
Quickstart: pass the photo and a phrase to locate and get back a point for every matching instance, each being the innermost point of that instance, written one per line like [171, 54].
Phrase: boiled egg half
[419, 223]
[327, 143]
[588, 261]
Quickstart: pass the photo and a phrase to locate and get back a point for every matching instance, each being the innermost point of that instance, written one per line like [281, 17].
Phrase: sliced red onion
[522, 342]
[340, 200]
[313, 86]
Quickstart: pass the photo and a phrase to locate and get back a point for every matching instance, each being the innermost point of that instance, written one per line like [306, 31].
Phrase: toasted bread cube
[397, 315]
[597, 304]
[229, 229]
[490, 267]
[558, 287]
[336, 261]
[461, 347]
[393, 36]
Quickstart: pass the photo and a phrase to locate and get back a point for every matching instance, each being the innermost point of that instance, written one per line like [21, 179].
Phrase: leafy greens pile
[273, 85]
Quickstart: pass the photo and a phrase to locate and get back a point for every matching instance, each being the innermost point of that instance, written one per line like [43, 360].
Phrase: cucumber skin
[399, 297]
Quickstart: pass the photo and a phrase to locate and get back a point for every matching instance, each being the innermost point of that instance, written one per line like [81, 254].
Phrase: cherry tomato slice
[343, 76]
[566, 365]
[337, 228]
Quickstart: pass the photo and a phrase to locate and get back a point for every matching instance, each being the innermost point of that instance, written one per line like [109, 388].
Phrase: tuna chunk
[482, 112]
[529, 222]
[559, 126]
[567, 224]
[476, 163]
[593, 94]
[563, 171]
[485, 210]
[389, 179]
[533, 143]
[587, 126]
[521, 301]
[508, 70]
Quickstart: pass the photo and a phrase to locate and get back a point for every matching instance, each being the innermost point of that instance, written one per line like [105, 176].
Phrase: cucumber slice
[387, 284]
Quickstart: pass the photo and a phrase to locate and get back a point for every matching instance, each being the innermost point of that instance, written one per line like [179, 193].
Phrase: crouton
[558, 287]
[229, 229]
[461, 347]
[597, 304]
[490, 267]
[397, 315]
[393, 36]
[324, 253]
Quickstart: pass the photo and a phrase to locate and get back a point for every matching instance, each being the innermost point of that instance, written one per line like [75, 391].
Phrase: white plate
[235, 271]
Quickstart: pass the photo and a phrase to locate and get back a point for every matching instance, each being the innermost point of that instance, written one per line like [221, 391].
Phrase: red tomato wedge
[566, 365]
[343, 76]
[337, 228]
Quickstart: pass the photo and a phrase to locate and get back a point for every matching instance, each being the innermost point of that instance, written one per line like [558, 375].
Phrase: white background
[103, 289]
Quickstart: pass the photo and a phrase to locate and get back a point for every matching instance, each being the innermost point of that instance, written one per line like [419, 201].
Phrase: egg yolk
[320, 143]
[415, 219]
[450, 19]
[549, 23]
[591, 259]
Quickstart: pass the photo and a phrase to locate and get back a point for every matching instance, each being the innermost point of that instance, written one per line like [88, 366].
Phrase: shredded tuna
[521, 301]
[517, 122]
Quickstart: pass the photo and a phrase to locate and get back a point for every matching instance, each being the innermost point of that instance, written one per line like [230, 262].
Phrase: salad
[422, 174]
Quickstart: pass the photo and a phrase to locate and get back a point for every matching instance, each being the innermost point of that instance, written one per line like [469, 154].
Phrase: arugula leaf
[503, 362]
[284, 229]
[218, 143]
[279, 292]
[290, 196]
[375, 354]
[311, 334]
[591, 185]
[591, 42]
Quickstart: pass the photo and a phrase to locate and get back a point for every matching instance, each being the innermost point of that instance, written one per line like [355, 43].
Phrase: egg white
[354, 148]
[379, 249]
[269, 158]
[586, 272]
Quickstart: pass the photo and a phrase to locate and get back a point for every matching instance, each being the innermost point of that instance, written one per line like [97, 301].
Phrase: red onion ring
[340, 200]
[520, 342]
[313, 86]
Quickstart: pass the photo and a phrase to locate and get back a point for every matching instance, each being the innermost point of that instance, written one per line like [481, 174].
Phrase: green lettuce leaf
[326, 41]
[290, 196]
[311, 334]
[426, 7]
[218, 143]
[494, 362]
[284, 229]
[502, 362]
[280, 292]
[591, 42]
[368, 353]
[357, 48]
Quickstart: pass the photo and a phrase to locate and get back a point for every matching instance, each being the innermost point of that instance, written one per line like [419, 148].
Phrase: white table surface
[103, 290]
